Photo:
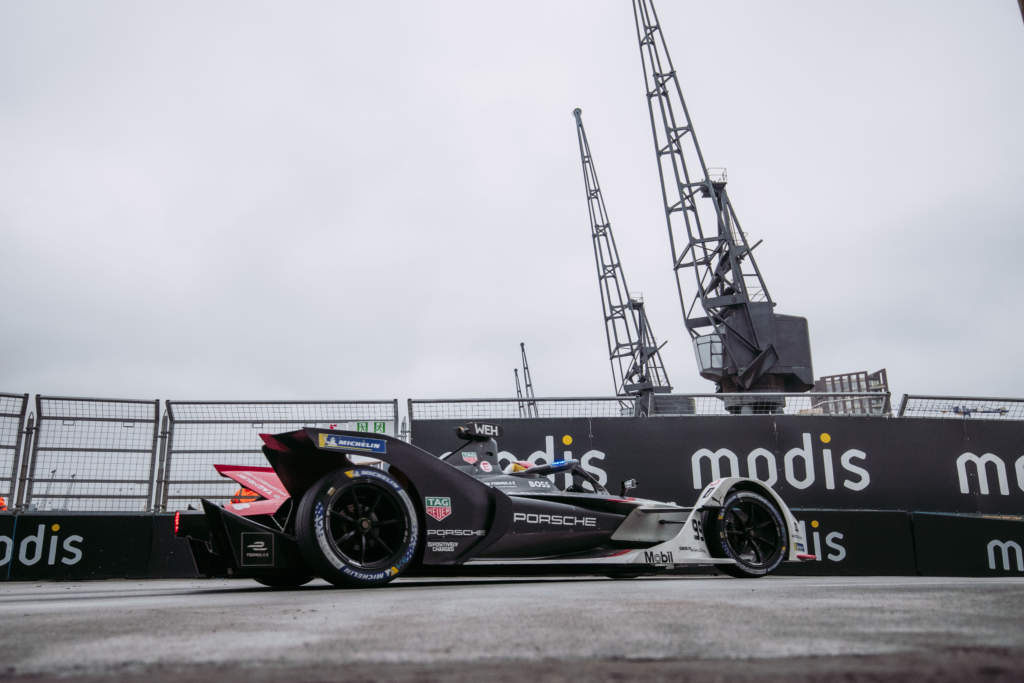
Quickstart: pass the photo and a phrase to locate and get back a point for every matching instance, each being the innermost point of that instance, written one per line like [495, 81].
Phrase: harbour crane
[634, 355]
[530, 403]
[741, 343]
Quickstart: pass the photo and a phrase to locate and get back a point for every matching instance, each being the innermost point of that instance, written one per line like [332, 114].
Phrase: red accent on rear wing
[261, 480]
[806, 557]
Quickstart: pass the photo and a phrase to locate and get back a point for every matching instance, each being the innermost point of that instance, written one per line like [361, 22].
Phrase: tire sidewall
[312, 535]
[721, 543]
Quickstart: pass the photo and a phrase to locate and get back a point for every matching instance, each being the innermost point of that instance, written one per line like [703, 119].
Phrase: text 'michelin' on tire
[749, 529]
[357, 527]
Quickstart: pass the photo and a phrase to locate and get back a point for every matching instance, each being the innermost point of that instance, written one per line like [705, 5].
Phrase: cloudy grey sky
[203, 200]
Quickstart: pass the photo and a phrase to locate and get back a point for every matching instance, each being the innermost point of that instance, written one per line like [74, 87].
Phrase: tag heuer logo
[438, 507]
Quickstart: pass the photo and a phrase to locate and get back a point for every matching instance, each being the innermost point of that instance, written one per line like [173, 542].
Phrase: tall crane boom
[634, 354]
[531, 404]
[519, 394]
[740, 342]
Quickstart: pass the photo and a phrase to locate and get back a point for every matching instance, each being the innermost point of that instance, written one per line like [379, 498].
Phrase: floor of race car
[666, 628]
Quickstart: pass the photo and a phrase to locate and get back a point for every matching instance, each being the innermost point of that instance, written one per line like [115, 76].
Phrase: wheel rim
[753, 534]
[366, 525]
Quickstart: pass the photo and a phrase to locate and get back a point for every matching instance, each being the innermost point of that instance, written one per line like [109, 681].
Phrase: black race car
[360, 510]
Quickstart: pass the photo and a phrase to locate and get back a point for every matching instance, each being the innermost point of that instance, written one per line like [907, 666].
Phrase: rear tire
[357, 527]
[749, 529]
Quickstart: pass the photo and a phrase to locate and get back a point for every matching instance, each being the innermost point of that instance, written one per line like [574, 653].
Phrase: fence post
[16, 450]
[165, 467]
[903, 405]
[29, 476]
[161, 455]
[18, 496]
[409, 408]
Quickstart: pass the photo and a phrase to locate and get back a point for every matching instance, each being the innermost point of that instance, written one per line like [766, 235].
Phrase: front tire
[357, 527]
[749, 529]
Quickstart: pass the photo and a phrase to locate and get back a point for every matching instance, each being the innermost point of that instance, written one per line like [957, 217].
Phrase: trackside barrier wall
[12, 421]
[201, 434]
[957, 464]
[855, 543]
[92, 454]
[956, 545]
[69, 546]
[76, 546]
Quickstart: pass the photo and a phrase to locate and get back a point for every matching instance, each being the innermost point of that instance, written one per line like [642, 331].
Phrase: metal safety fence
[201, 434]
[12, 417]
[92, 454]
[964, 407]
[835, 403]
[510, 408]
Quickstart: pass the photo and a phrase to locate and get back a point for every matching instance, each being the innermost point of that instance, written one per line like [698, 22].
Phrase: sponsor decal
[438, 507]
[503, 482]
[456, 532]
[706, 494]
[539, 483]
[800, 465]
[1008, 552]
[485, 466]
[369, 576]
[658, 557]
[470, 458]
[319, 513]
[39, 547]
[554, 520]
[982, 466]
[257, 549]
[359, 444]
[832, 541]
[442, 546]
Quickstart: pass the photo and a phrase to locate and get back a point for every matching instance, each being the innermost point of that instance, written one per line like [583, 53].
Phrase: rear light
[177, 522]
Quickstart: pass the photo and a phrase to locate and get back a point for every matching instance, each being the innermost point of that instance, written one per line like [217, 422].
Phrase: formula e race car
[319, 512]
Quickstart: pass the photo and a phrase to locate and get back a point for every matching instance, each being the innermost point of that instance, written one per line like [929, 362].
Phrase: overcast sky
[249, 200]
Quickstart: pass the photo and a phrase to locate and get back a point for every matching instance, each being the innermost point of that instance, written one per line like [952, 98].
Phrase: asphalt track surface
[668, 628]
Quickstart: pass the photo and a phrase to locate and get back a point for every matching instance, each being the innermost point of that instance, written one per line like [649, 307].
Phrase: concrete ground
[665, 628]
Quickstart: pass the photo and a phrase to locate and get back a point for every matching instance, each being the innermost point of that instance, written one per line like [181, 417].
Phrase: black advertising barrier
[968, 545]
[846, 542]
[70, 546]
[7, 549]
[170, 556]
[855, 543]
[954, 465]
[39, 545]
